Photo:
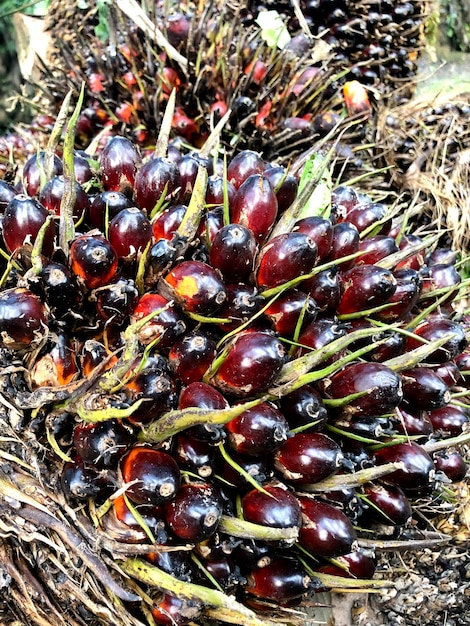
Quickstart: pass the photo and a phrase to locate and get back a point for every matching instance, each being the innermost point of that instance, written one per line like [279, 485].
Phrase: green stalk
[238, 468]
[356, 479]
[161, 146]
[173, 422]
[241, 528]
[155, 577]
[188, 227]
[54, 138]
[443, 444]
[390, 261]
[66, 224]
[414, 357]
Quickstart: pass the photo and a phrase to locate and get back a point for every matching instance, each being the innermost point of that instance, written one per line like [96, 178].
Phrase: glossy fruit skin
[190, 356]
[105, 206]
[284, 184]
[257, 431]
[405, 297]
[284, 258]
[291, 311]
[23, 320]
[102, 443]
[151, 180]
[452, 464]
[242, 303]
[281, 580]
[203, 396]
[244, 164]
[93, 260]
[129, 233]
[56, 364]
[418, 467]
[119, 161]
[116, 301]
[304, 406]
[22, 221]
[255, 206]
[320, 230]
[52, 193]
[437, 327]
[175, 611]
[233, 252]
[424, 388]
[252, 364]
[382, 387]
[360, 563]
[32, 172]
[152, 515]
[345, 242]
[365, 287]
[168, 221]
[156, 472]
[194, 455]
[167, 324]
[279, 509]
[320, 333]
[195, 286]
[326, 531]
[195, 512]
[414, 422]
[308, 458]
[374, 249]
[450, 420]
[215, 190]
[389, 504]
[325, 289]
[7, 193]
[255, 466]
[81, 481]
[435, 277]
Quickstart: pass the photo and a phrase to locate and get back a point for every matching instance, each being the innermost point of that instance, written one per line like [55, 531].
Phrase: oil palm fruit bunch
[223, 385]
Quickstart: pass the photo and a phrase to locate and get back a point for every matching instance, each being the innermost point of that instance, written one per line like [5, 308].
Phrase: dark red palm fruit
[156, 177]
[119, 162]
[129, 233]
[257, 431]
[284, 258]
[174, 562]
[61, 291]
[386, 504]
[56, 364]
[440, 256]
[195, 512]
[155, 475]
[424, 388]
[215, 191]
[366, 215]
[370, 427]
[417, 469]
[279, 509]
[188, 167]
[177, 26]
[244, 164]
[23, 320]
[302, 407]
[168, 221]
[93, 260]
[449, 372]
[167, 324]
[255, 206]
[343, 199]
[292, 310]
[320, 230]
[173, 610]
[324, 122]
[405, 297]
[82, 167]
[281, 580]
[102, 444]
[151, 514]
[195, 286]
[105, 206]
[116, 301]
[52, 193]
[415, 260]
[414, 422]
[92, 354]
[184, 126]
[157, 389]
[463, 363]
[381, 388]
[320, 333]
[211, 222]
[242, 303]
[7, 193]
[345, 242]
[450, 420]
[284, 184]
[80, 481]
[394, 345]
[251, 365]
[325, 289]
[326, 531]
[365, 287]
[452, 464]
[190, 356]
[193, 455]
[308, 458]
[225, 572]
[374, 249]
[234, 474]
[438, 327]
[22, 220]
[360, 563]
[233, 252]
[203, 396]
[437, 277]
[159, 258]
[34, 169]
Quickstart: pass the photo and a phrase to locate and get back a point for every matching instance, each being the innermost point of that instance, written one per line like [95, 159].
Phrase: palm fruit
[152, 412]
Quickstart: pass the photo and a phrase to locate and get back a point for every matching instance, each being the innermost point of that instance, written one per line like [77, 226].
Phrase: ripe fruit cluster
[224, 368]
